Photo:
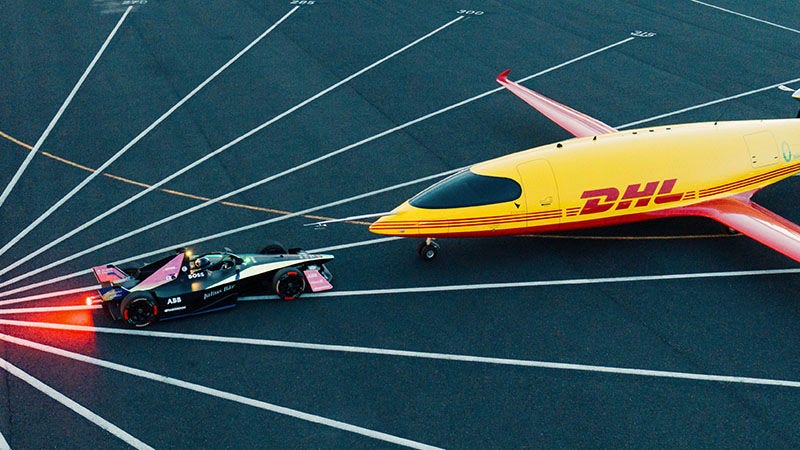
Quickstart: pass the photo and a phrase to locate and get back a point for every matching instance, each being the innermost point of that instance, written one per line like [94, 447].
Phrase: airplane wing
[752, 220]
[576, 122]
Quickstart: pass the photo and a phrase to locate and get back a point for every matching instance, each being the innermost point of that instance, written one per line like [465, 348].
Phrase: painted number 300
[470, 12]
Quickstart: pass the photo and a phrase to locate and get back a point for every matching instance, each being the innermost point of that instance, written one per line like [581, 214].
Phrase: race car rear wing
[108, 274]
[111, 278]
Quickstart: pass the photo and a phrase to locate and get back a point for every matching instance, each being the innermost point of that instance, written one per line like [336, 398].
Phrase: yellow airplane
[604, 177]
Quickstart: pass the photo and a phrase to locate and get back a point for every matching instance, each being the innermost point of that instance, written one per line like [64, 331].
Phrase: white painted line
[468, 287]
[73, 405]
[48, 309]
[355, 244]
[412, 354]
[46, 282]
[47, 295]
[703, 105]
[529, 284]
[574, 60]
[61, 110]
[4, 443]
[746, 16]
[116, 156]
[207, 157]
[217, 393]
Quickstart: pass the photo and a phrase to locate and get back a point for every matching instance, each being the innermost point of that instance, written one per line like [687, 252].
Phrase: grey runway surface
[661, 334]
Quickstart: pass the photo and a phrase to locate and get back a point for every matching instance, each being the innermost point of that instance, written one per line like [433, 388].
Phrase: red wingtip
[503, 77]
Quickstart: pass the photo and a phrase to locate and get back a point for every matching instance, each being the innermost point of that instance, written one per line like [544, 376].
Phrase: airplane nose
[400, 223]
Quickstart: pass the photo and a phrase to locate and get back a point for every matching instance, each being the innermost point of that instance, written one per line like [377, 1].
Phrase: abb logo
[636, 195]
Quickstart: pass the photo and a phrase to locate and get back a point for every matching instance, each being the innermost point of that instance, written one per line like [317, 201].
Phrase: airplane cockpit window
[467, 189]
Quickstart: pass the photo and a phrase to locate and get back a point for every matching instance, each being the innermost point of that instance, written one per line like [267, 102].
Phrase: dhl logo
[636, 195]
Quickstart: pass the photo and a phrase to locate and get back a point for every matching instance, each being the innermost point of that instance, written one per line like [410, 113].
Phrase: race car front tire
[139, 309]
[289, 283]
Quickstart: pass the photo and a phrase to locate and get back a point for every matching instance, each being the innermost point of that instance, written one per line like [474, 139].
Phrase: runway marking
[47, 283]
[746, 16]
[202, 239]
[529, 284]
[217, 393]
[145, 185]
[4, 443]
[47, 295]
[387, 132]
[61, 110]
[703, 105]
[71, 404]
[48, 309]
[116, 156]
[355, 244]
[185, 169]
[468, 287]
[411, 354]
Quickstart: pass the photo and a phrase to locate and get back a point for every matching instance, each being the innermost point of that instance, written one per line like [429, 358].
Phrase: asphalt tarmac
[662, 334]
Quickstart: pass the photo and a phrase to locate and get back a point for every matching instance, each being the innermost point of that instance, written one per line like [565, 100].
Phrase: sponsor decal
[215, 292]
[635, 195]
[196, 275]
[179, 308]
[786, 152]
[174, 300]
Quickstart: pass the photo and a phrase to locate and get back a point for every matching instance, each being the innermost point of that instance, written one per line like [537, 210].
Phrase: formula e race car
[184, 285]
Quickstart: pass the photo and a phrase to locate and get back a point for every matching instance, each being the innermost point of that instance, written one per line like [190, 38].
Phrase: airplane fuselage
[607, 179]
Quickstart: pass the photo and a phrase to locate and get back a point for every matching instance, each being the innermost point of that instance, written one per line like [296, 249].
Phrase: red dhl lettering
[636, 195]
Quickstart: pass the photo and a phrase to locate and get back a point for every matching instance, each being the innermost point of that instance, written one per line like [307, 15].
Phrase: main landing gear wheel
[289, 283]
[139, 310]
[428, 250]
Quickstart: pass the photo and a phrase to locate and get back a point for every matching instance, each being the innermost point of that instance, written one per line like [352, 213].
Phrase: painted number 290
[470, 12]
[643, 34]
[301, 2]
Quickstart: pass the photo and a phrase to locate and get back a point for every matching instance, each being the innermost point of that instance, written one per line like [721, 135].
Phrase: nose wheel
[428, 249]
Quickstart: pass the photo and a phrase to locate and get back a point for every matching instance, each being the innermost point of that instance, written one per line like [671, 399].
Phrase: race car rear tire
[289, 283]
[139, 309]
[273, 248]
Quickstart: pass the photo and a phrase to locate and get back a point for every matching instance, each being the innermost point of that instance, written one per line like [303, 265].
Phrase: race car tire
[273, 248]
[139, 309]
[289, 283]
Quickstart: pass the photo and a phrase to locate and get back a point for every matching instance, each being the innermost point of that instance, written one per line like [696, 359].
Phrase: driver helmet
[202, 262]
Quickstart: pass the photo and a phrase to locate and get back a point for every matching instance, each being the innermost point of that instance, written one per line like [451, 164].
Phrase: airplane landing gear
[428, 249]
